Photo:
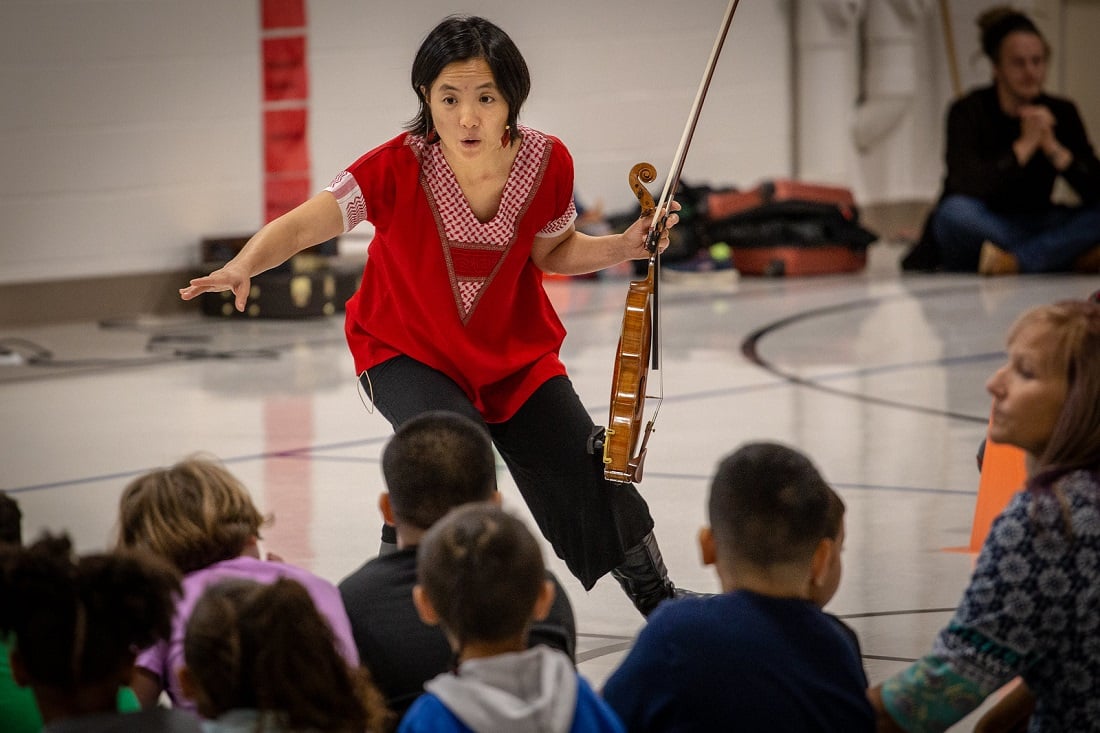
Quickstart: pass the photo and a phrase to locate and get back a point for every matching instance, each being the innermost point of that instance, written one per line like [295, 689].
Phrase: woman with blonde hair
[1030, 607]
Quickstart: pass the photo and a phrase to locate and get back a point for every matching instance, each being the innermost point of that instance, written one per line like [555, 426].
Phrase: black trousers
[589, 521]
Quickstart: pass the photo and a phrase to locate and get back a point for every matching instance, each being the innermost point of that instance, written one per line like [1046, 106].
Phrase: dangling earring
[506, 138]
[430, 134]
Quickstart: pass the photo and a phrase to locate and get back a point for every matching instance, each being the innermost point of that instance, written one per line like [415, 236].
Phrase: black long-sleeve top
[981, 162]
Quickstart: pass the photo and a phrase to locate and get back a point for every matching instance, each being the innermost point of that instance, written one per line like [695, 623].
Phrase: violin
[639, 346]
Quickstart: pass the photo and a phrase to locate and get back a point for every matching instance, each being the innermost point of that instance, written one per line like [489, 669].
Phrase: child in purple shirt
[200, 517]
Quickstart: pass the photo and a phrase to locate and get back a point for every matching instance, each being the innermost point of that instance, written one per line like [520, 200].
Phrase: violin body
[628, 384]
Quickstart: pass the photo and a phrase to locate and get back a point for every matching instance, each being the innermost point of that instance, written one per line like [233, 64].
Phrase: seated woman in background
[260, 658]
[75, 623]
[199, 517]
[1030, 608]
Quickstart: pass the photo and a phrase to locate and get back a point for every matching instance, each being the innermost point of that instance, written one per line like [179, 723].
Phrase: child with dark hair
[434, 463]
[200, 517]
[482, 580]
[18, 709]
[76, 623]
[260, 659]
[761, 655]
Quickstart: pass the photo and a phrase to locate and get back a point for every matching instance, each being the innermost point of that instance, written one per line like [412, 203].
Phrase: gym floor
[879, 377]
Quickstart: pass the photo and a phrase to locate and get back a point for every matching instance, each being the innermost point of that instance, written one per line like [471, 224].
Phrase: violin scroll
[641, 174]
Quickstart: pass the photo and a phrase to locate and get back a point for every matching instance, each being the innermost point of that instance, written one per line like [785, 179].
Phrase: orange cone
[1004, 472]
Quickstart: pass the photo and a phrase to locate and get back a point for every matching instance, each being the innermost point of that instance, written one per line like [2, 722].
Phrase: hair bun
[997, 22]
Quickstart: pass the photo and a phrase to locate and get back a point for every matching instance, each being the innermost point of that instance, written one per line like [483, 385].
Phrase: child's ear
[193, 691]
[706, 546]
[252, 547]
[386, 508]
[188, 685]
[424, 607]
[18, 668]
[821, 560]
[544, 602]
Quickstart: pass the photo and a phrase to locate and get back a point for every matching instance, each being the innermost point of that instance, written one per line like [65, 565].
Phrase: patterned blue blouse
[1032, 609]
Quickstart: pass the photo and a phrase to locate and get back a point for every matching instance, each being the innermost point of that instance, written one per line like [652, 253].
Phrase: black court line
[750, 350]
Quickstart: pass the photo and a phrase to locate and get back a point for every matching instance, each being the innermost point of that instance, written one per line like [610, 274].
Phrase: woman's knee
[957, 212]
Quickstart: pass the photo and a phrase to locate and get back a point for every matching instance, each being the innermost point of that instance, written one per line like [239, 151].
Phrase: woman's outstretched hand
[229, 277]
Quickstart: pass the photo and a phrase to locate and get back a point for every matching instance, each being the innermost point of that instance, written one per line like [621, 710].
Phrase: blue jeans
[1047, 241]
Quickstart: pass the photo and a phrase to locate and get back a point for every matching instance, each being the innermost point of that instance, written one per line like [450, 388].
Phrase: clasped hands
[1037, 132]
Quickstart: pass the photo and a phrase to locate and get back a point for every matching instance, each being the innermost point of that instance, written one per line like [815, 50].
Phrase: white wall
[131, 128]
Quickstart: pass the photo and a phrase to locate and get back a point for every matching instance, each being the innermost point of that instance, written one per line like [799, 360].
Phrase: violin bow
[673, 181]
[626, 407]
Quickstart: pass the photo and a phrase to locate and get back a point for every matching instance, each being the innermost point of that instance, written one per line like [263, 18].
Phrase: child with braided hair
[259, 658]
[76, 623]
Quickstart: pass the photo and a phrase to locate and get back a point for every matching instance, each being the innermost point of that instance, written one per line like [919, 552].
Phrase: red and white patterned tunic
[448, 290]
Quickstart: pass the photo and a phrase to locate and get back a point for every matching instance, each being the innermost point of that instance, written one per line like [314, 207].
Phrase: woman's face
[1028, 392]
[1021, 68]
[468, 110]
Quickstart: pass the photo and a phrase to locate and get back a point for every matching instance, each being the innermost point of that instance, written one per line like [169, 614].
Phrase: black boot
[643, 575]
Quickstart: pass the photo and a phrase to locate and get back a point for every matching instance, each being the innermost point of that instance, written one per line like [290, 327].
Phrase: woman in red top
[470, 209]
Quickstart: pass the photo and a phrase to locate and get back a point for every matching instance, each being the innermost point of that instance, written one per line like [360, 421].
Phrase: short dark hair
[482, 570]
[11, 521]
[768, 505]
[997, 23]
[461, 38]
[435, 462]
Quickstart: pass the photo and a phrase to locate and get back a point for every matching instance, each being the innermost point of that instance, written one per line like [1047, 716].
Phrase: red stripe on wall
[285, 106]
